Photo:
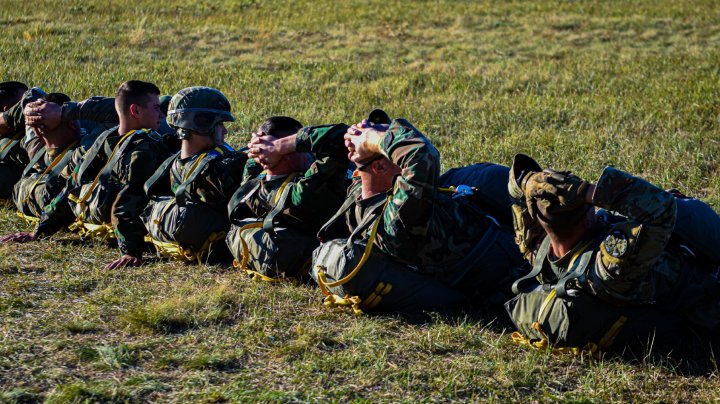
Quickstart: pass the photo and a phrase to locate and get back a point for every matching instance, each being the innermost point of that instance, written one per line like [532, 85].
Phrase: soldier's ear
[133, 110]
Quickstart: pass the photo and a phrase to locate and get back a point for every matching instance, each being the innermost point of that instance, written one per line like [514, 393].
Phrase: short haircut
[10, 93]
[280, 126]
[56, 98]
[134, 92]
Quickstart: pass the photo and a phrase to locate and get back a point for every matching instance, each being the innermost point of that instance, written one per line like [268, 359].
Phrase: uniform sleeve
[322, 188]
[631, 248]
[407, 216]
[95, 109]
[130, 231]
[13, 117]
[221, 179]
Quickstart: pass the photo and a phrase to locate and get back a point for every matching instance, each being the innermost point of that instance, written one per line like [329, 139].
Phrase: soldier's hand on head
[22, 237]
[556, 190]
[264, 151]
[362, 143]
[43, 115]
[124, 261]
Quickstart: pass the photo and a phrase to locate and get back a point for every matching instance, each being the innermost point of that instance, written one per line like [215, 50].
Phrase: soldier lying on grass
[401, 243]
[645, 262]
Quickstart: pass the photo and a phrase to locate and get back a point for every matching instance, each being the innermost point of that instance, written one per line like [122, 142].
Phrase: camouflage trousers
[195, 228]
[9, 176]
[381, 284]
[284, 252]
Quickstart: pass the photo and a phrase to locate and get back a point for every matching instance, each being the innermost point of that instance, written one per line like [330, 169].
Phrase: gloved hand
[552, 192]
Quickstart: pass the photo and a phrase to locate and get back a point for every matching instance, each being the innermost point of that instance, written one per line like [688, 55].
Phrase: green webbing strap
[92, 153]
[537, 265]
[11, 143]
[180, 196]
[349, 202]
[36, 158]
[160, 172]
[55, 171]
[269, 222]
[119, 153]
[578, 269]
[242, 194]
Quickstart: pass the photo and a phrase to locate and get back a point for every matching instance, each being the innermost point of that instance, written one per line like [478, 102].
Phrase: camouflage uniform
[187, 212]
[438, 248]
[625, 279]
[309, 200]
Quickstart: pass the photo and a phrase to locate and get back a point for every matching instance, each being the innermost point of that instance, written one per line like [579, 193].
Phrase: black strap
[118, 154]
[92, 153]
[12, 142]
[269, 221]
[180, 194]
[242, 194]
[159, 173]
[349, 202]
[36, 158]
[540, 257]
[373, 214]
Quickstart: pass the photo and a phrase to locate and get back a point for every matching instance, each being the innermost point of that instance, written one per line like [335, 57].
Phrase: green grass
[578, 85]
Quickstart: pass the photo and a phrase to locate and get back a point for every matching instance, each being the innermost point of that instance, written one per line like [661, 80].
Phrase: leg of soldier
[385, 285]
[698, 225]
[490, 181]
[9, 175]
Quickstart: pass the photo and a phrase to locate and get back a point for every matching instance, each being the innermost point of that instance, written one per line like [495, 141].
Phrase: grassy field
[577, 84]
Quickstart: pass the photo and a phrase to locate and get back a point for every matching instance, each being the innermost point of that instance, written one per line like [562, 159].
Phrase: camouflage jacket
[420, 225]
[50, 170]
[313, 196]
[212, 185]
[626, 257]
[123, 183]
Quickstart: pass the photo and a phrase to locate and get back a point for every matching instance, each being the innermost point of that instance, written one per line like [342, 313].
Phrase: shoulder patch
[615, 244]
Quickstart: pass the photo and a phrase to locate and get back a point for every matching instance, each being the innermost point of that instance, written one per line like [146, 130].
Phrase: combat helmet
[198, 110]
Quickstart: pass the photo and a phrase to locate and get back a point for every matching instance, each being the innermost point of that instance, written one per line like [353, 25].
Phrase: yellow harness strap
[590, 348]
[95, 231]
[174, 250]
[29, 219]
[83, 200]
[14, 138]
[243, 265]
[331, 300]
[49, 168]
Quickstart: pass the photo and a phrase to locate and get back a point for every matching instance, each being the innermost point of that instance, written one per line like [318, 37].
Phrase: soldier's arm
[96, 109]
[633, 247]
[407, 216]
[321, 190]
[13, 119]
[131, 200]
[226, 176]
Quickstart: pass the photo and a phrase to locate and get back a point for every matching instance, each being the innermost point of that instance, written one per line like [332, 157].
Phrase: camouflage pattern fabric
[97, 114]
[205, 196]
[430, 230]
[198, 109]
[626, 260]
[312, 199]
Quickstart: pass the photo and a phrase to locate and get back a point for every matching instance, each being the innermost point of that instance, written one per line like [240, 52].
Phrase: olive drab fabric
[188, 201]
[97, 114]
[108, 186]
[625, 261]
[13, 159]
[198, 109]
[438, 234]
[291, 208]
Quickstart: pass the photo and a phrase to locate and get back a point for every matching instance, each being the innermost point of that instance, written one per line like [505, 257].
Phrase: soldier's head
[379, 172]
[198, 114]
[138, 105]
[564, 225]
[65, 129]
[10, 93]
[280, 127]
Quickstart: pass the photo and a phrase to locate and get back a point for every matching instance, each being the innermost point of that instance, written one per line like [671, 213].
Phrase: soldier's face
[220, 132]
[150, 115]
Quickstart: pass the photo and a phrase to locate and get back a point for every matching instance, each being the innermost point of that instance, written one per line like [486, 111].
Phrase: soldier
[412, 246]
[600, 277]
[189, 193]
[13, 158]
[290, 199]
[42, 178]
